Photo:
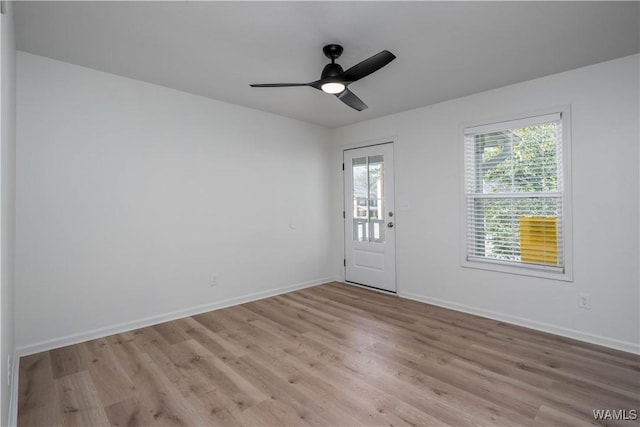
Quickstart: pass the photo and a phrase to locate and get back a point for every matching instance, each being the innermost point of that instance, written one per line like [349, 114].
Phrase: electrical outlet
[584, 301]
[213, 279]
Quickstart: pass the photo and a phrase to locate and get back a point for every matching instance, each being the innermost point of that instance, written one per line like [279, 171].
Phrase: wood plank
[548, 416]
[273, 413]
[67, 360]
[315, 407]
[129, 413]
[105, 369]
[164, 401]
[80, 401]
[37, 391]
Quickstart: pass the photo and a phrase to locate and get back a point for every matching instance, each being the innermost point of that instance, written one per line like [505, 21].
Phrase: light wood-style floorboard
[331, 355]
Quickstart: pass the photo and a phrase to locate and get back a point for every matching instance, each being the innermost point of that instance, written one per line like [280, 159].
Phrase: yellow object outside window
[539, 239]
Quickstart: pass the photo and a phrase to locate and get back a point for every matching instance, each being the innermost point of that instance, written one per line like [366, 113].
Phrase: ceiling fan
[334, 80]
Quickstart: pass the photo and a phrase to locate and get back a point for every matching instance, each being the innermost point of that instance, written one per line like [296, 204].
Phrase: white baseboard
[160, 318]
[13, 396]
[627, 346]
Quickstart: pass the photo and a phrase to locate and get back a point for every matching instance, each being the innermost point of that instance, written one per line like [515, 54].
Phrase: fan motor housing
[331, 70]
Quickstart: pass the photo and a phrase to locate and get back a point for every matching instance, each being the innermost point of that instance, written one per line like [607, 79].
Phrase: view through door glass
[368, 199]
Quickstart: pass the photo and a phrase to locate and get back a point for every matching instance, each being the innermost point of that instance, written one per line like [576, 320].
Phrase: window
[515, 197]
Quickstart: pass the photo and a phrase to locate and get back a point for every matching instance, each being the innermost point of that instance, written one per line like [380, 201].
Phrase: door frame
[363, 144]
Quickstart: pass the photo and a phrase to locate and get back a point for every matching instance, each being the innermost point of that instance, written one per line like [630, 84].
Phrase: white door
[369, 218]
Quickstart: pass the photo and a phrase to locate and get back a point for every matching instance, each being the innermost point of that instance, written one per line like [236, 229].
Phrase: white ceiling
[444, 50]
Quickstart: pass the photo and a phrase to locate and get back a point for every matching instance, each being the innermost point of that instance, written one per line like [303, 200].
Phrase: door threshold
[372, 288]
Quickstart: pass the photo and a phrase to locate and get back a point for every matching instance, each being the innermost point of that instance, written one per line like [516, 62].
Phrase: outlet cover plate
[584, 301]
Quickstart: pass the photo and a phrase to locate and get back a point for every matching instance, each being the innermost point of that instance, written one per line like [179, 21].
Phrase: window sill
[524, 270]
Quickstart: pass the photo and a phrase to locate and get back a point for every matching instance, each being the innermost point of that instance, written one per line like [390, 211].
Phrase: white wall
[604, 104]
[8, 197]
[129, 195]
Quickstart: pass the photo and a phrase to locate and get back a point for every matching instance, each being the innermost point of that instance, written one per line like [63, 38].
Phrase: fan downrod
[332, 51]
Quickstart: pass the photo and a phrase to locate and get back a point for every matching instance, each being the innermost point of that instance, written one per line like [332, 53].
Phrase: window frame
[511, 267]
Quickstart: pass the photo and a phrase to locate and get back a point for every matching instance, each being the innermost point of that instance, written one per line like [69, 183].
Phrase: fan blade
[280, 84]
[369, 66]
[317, 84]
[351, 100]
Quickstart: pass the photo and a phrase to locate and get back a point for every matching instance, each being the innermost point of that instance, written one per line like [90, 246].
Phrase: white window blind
[514, 193]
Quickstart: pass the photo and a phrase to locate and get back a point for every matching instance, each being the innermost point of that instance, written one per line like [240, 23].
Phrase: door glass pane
[360, 207]
[360, 177]
[376, 178]
[376, 220]
[377, 231]
[368, 199]
[360, 230]
[360, 219]
[376, 194]
[360, 199]
[376, 211]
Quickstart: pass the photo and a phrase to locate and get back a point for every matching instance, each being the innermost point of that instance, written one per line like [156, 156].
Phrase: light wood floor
[331, 355]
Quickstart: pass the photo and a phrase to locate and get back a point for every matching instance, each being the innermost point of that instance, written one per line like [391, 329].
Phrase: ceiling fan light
[333, 88]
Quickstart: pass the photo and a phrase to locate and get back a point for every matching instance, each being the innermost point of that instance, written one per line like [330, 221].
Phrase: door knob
[390, 224]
